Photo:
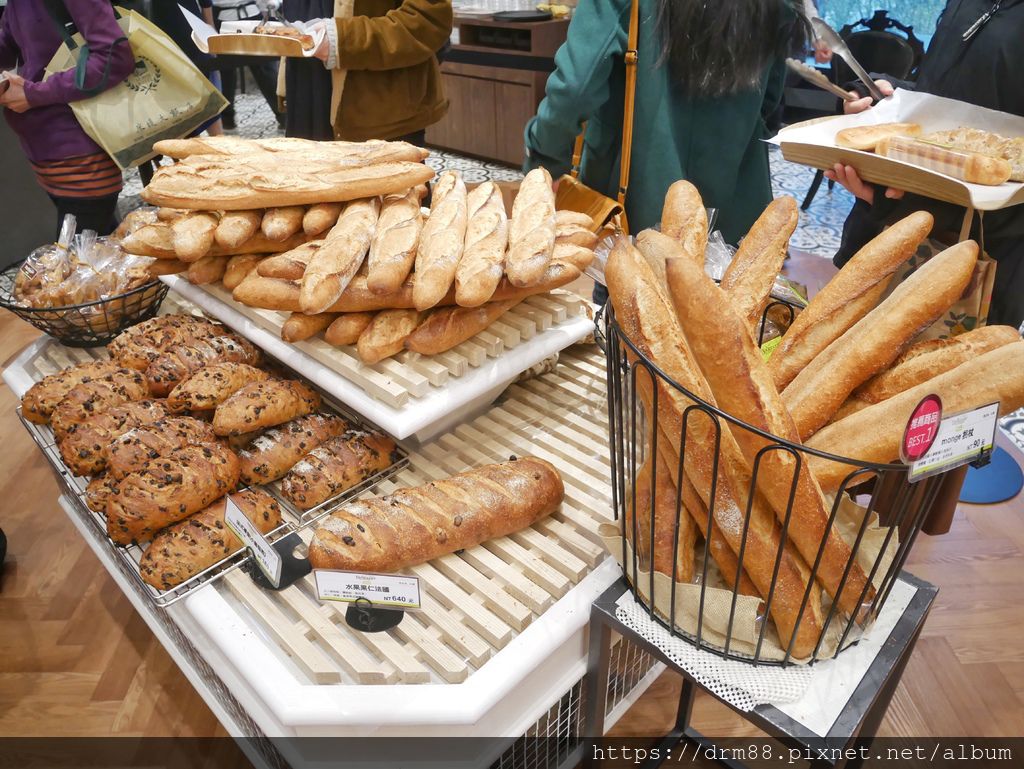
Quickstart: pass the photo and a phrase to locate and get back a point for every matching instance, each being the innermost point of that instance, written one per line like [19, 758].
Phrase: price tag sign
[769, 347]
[266, 557]
[961, 438]
[922, 428]
[384, 591]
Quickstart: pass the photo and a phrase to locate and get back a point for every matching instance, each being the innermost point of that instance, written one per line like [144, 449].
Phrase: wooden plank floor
[77, 660]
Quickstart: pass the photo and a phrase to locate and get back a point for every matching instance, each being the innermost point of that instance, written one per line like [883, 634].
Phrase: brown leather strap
[577, 153]
[630, 100]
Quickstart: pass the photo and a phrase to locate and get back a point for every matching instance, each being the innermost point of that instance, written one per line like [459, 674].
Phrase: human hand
[14, 97]
[861, 104]
[822, 53]
[848, 177]
[323, 51]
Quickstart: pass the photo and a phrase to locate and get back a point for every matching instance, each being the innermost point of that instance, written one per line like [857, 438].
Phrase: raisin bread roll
[186, 548]
[212, 385]
[140, 345]
[130, 452]
[268, 457]
[168, 489]
[85, 400]
[84, 448]
[336, 466]
[415, 525]
[264, 404]
[42, 398]
[98, 492]
[178, 364]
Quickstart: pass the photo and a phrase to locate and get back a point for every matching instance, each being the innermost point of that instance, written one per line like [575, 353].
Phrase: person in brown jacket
[377, 76]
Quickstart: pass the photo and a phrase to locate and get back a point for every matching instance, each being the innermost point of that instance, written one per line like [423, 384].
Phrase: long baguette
[738, 375]
[157, 241]
[192, 235]
[750, 276]
[685, 220]
[386, 334]
[300, 327]
[441, 242]
[238, 267]
[236, 227]
[483, 260]
[320, 217]
[290, 265]
[336, 262]
[209, 269]
[873, 434]
[817, 392]
[281, 223]
[531, 233]
[369, 152]
[393, 250]
[574, 227]
[671, 551]
[848, 297]
[268, 293]
[447, 327]
[346, 328]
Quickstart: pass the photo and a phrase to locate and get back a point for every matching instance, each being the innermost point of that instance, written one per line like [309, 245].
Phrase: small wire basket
[717, 604]
[89, 324]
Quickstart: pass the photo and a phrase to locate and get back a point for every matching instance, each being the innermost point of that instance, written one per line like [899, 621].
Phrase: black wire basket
[89, 324]
[875, 511]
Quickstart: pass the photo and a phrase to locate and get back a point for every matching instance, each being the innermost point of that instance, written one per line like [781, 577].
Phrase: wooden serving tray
[246, 44]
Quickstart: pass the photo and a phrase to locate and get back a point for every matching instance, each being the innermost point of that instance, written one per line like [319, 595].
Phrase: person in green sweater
[708, 76]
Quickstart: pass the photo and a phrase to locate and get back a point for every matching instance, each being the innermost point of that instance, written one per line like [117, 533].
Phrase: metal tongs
[838, 45]
[270, 14]
[815, 77]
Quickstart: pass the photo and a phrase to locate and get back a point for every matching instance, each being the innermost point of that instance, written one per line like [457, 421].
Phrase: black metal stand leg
[598, 660]
[809, 198]
[687, 695]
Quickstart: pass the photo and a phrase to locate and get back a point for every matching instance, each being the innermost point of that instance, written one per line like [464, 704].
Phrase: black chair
[878, 49]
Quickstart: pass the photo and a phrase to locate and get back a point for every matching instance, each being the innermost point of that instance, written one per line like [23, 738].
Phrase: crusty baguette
[441, 242]
[209, 269]
[281, 223]
[290, 265]
[685, 220]
[386, 334]
[848, 297]
[873, 434]
[337, 465]
[84, 400]
[817, 392]
[971, 167]
[574, 227]
[236, 227]
[650, 323]
[211, 385]
[658, 248]
[270, 455]
[179, 363]
[233, 183]
[483, 260]
[158, 267]
[749, 278]
[42, 398]
[84, 448]
[156, 240]
[867, 137]
[192, 545]
[167, 214]
[238, 267]
[131, 451]
[743, 388]
[267, 293]
[346, 328]
[336, 262]
[446, 327]
[140, 345]
[414, 525]
[531, 233]
[169, 489]
[355, 153]
[672, 551]
[192, 235]
[320, 217]
[264, 404]
[300, 327]
[393, 249]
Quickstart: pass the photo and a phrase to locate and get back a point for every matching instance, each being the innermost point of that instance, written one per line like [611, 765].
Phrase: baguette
[649, 322]
[130, 452]
[268, 457]
[447, 327]
[291, 265]
[866, 138]
[169, 489]
[658, 248]
[874, 433]
[279, 224]
[42, 398]
[158, 267]
[238, 267]
[209, 269]
[355, 153]
[192, 235]
[166, 214]
[346, 328]
[140, 345]
[156, 240]
[817, 392]
[264, 404]
[336, 262]
[300, 327]
[337, 465]
[393, 249]
[672, 551]
[84, 400]
[441, 242]
[211, 385]
[178, 364]
[685, 220]
[574, 227]
[483, 261]
[749, 278]
[268, 293]
[971, 167]
[192, 545]
[84, 448]
[320, 217]
[236, 227]
[737, 374]
[415, 525]
[848, 297]
[386, 334]
[531, 234]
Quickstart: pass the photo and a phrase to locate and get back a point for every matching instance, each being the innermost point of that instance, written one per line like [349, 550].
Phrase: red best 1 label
[921, 429]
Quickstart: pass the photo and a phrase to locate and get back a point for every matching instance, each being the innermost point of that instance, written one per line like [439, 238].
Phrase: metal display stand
[858, 720]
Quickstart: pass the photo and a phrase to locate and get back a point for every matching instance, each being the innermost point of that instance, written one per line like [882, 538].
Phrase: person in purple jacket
[79, 177]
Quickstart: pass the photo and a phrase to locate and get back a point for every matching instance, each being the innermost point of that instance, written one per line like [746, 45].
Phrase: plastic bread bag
[718, 255]
[46, 267]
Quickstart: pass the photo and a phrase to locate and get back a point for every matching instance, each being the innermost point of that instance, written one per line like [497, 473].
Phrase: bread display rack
[412, 395]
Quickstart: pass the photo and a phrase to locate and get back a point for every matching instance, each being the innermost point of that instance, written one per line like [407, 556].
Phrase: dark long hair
[716, 47]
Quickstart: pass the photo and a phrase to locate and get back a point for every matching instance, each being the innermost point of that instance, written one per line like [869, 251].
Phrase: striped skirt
[85, 176]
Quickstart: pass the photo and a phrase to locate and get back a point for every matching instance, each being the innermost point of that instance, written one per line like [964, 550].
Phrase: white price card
[267, 558]
[384, 591]
[962, 438]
